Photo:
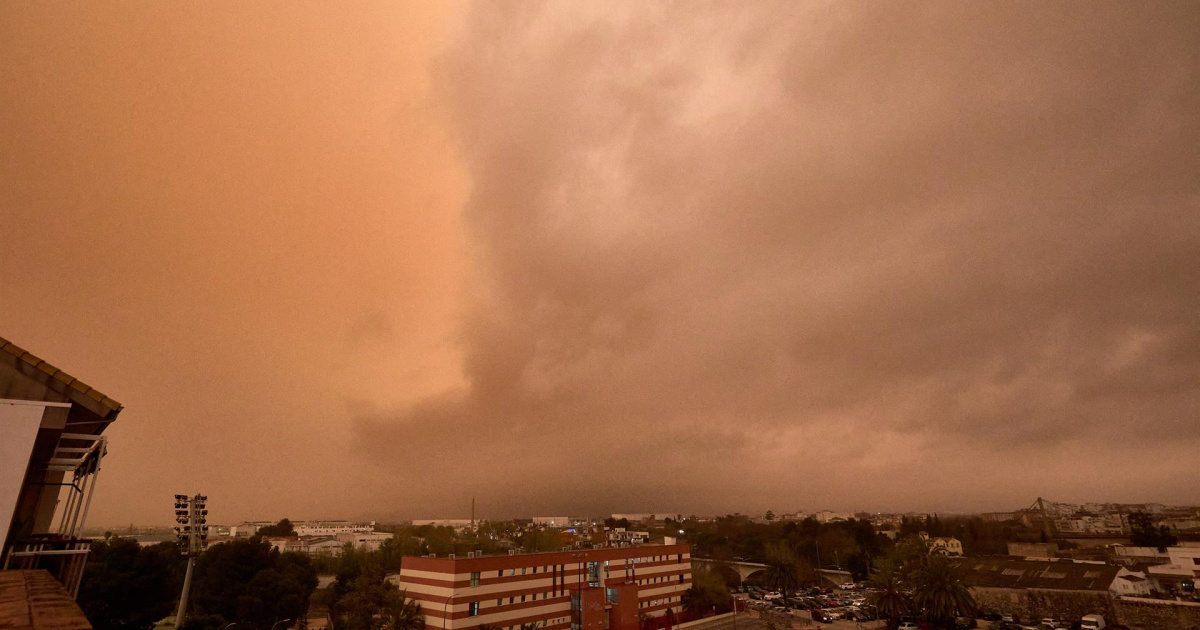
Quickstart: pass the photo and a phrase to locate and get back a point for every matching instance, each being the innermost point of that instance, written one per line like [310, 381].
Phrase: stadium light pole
[191, 514]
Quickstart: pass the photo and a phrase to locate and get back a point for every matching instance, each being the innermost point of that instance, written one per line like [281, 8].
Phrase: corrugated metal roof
[107, 404]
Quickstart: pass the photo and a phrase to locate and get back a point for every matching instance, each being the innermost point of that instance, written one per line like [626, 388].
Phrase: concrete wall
[1149, 614]
[1137, 613]
[1038, 604]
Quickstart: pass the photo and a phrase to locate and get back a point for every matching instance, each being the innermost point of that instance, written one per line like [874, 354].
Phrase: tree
[248, 582]
[940, 592]
[1145, 532]
[708, 592]
[401, 613]
[770, 515]
[781, 573]
[282, 529]
[887, 593]
[130, 586]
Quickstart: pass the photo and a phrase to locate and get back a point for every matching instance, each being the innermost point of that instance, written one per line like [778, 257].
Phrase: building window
[681, 578]
[522, 598]
[510, 600]
[500, 602]
[472, 609]
[474, 579]
[500, 573]
[523, 570]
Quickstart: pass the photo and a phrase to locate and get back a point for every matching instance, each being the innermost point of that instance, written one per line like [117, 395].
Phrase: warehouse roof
[1038, 574]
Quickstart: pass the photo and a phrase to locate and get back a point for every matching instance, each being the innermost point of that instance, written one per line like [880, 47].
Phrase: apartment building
[607, 588]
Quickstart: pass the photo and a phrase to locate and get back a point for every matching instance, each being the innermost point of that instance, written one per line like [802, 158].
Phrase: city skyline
[591, 258]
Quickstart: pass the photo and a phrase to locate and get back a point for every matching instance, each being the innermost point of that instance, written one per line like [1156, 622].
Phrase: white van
[1092, 622]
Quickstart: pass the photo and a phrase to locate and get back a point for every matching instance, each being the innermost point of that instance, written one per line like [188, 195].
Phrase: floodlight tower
[191, 514]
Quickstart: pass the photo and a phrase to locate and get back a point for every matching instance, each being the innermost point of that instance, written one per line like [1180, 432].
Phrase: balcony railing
[64, 558]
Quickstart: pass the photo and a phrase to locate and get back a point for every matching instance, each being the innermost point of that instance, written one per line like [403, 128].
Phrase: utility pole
[192, 533]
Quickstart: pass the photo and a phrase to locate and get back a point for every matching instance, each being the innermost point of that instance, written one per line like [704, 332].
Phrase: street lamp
[279, 622]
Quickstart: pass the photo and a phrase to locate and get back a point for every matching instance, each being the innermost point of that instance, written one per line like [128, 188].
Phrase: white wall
[19, 422]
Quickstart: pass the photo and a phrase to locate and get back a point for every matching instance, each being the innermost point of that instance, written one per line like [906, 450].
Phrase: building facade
[51, 449]
[609, 588]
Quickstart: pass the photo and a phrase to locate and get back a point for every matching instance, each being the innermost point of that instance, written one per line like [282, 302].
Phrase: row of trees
[849, 545]
[243, 581]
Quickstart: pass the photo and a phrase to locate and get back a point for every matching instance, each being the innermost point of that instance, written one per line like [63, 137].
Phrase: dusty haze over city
[375, 259]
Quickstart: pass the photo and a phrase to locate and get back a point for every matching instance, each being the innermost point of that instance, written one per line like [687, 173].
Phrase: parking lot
[750, 621]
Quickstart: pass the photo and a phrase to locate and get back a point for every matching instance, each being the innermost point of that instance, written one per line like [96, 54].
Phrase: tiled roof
[34, 600]
[1039, 574]
[59, 380]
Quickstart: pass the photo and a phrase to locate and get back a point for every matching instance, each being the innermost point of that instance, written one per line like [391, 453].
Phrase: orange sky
[371, 259]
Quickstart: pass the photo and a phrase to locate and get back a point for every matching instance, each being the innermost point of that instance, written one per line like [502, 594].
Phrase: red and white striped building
[587, 589]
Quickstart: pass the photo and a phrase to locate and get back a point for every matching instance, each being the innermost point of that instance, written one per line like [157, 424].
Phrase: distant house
[944, 546]
[1130, 583]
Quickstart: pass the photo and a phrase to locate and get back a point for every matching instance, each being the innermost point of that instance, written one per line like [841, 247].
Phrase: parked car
[907, 625]
[965, 623]
[1092, 622]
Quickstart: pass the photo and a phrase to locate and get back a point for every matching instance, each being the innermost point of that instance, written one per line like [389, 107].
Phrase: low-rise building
[1040, 588]
[622, 536]
[826, 516]
[369, 541]
[1130, 584]
[945, 546]
[1180, 573]
[331, 528]
[587, 589]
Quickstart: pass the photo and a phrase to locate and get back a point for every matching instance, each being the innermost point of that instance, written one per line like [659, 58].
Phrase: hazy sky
[351, 259]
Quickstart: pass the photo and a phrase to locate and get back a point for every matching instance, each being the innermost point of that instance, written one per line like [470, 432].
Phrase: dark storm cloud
[735, 255]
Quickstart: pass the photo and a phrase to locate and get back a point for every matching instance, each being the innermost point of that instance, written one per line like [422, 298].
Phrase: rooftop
[1037, 574]
[58, 381]
[34, 600]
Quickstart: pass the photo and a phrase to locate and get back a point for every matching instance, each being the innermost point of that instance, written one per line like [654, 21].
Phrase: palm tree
[781, 573]
[532, 625]
[402, 614]
[940, 592]
[888, 595]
